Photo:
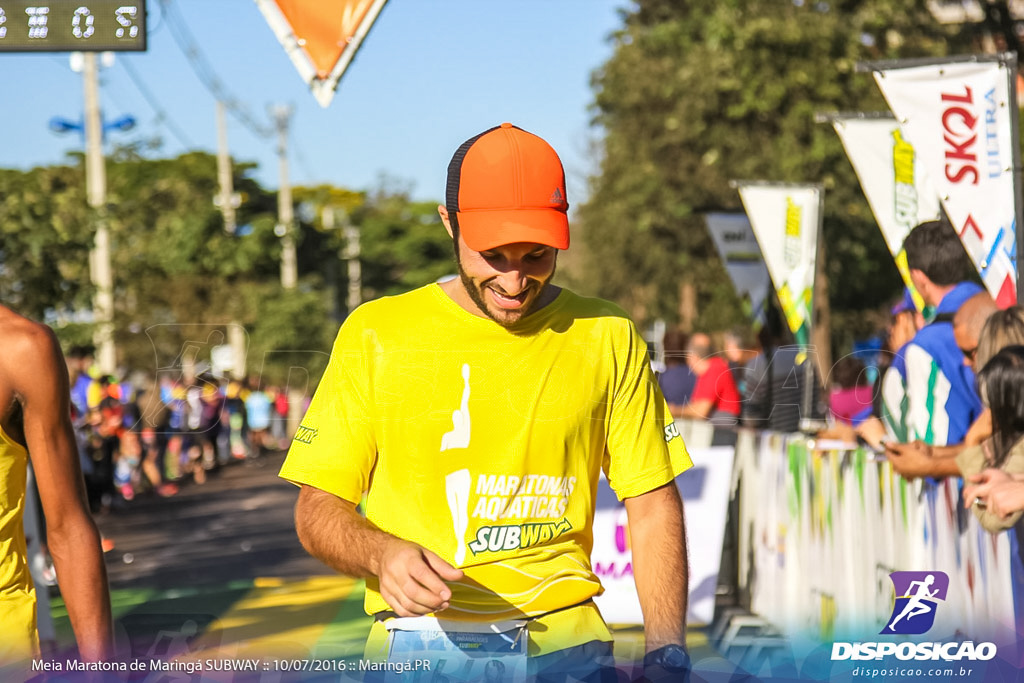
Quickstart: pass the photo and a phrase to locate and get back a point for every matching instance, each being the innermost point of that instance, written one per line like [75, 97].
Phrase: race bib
[444, 650]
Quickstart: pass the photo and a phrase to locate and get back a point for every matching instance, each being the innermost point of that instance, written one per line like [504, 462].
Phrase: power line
[205, 72]
[161, 114]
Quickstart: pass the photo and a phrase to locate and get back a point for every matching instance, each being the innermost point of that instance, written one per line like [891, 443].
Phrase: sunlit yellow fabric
[485, 444]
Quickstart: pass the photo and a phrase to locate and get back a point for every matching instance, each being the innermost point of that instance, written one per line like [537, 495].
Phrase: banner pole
[1018, 185]
[807, 421]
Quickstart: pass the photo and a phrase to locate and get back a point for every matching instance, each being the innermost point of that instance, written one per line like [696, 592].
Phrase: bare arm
[913, 460]
[40, 381]
[700, 409]
[950, 451]
[980, 430]
[659, 563]
[412, 578]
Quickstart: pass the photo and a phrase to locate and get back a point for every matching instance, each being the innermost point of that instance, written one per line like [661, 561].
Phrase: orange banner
[321, 36]
[324, 29]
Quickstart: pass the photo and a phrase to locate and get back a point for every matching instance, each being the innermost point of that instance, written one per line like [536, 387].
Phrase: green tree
[698, 94]
[44, 241]
[180, 280]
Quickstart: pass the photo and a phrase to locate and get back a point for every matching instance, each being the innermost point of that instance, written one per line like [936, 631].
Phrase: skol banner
[737, 246]
[957, 115]
[321, 36]
[786, 219]
[893, 179]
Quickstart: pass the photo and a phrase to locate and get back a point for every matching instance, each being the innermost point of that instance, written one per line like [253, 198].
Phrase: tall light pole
[96, 190]
[285, 218]
[227, 200]
[350, 253]
[355, 270]
[100, 272]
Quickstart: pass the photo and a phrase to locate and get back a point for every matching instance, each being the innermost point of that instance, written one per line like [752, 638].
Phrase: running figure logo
[457, 483]
[459, 436]
[917, 596]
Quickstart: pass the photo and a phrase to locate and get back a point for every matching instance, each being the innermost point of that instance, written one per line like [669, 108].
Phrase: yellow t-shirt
[485, 444]
[19, 640]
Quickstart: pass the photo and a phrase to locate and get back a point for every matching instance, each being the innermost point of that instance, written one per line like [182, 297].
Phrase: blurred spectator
[1002, 328]
[1002, 378]
[203, 418]
[258, 410]
[678, 380]
[234, 409]
[173, 394]
[968, 324]
[714, 396]
[152, 427]
[739, 348]
[279, 418]
[890, 401]
[84, 388]
[850, 399]
[939, 390]
[775, 380]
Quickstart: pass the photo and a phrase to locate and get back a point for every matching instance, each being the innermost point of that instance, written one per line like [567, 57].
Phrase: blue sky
[431, 74]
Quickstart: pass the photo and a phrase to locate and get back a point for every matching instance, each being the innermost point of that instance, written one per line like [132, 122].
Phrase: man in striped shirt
[940, 399]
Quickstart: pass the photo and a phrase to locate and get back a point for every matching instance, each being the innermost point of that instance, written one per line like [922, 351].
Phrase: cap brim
[491, 228]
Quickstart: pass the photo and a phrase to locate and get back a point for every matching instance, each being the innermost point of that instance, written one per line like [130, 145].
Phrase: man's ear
[921, 281]
[442, 211]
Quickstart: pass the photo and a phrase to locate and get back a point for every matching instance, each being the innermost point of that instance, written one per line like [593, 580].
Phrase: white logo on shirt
[458, 437]
[456, 486]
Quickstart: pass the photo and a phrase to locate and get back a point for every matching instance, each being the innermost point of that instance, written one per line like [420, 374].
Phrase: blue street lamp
[60, 125]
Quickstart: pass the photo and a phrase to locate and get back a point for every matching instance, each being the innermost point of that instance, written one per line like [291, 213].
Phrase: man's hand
[1006, 499]
[910, 460]
[981, 485]
[872, 431]
[412, 579]
[1000, 493]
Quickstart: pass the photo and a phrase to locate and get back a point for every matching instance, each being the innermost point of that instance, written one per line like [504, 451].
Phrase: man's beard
[477, 296]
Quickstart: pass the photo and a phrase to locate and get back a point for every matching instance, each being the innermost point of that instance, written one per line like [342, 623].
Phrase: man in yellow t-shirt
[477, 416]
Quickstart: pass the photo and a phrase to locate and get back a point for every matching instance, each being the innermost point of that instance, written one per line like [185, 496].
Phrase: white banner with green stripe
[786, 220]
[894, 181]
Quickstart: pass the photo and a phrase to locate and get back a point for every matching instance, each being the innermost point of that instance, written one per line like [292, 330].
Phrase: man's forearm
[950, 451]
[945, 466]
[78, 559]
[700, 409]
[333, 531]
[659, 564]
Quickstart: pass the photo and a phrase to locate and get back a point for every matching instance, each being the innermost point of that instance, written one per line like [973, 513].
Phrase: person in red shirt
[715, 396]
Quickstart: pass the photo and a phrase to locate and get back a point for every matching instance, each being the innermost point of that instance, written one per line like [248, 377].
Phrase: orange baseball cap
[506, 185]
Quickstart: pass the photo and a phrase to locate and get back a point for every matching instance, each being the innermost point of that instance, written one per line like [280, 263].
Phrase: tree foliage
[180, 279]
[697, 94]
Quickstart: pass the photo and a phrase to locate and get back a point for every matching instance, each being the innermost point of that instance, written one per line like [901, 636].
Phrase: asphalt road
[218, 567]
[236, 526]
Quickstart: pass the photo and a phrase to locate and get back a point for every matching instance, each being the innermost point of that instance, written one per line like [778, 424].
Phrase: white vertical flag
[957, 114]
[737, 246]
[786, 220]
[890, 173]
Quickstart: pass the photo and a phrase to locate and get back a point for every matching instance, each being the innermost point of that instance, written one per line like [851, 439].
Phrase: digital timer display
[72, 25]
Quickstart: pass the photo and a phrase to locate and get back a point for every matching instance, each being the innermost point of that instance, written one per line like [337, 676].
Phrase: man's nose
[513, 280]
